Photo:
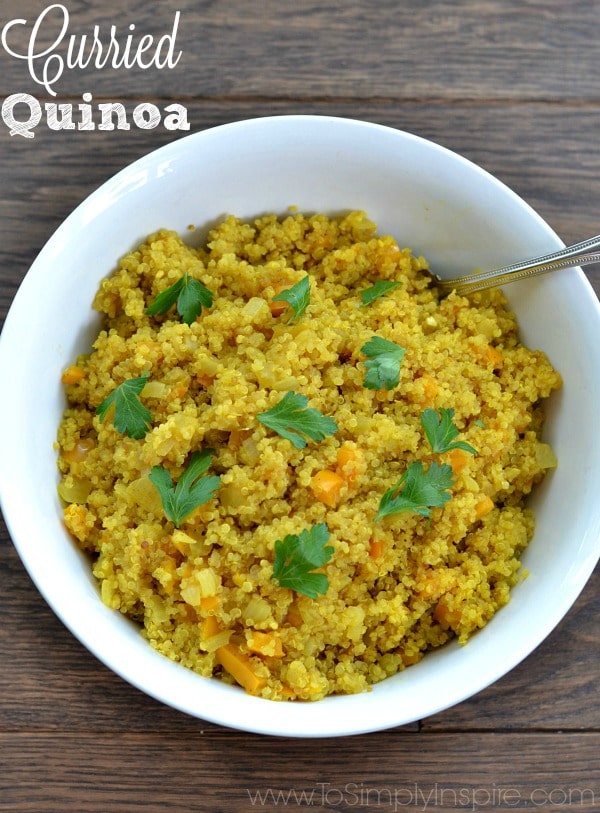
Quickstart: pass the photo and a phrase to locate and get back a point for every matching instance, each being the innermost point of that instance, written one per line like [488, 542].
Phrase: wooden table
[514, 86]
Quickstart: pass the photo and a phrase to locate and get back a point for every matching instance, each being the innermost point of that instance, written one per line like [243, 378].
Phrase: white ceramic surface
[430, 199]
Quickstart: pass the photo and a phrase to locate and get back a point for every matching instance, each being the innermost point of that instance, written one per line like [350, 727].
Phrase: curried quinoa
[204, 592]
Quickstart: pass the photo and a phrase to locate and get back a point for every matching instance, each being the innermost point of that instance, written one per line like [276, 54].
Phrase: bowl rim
[238, 703]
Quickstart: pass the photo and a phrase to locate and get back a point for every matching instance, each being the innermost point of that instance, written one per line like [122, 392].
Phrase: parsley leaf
[189, 294]
[191, 491]
[440, 431]
[291, 419]
[380, 288]
[131, 417]
[298, 296]
[297, 555]
[383, 369]
[418, 490]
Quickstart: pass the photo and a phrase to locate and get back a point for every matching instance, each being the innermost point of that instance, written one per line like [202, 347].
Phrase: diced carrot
[376, 548]
[458, 459]
[489, 354]
[240, 668]
[483, 507]
[350, 463]
[432, 583]
[178, 392]
[208, 603]
[430, 388]
[279, 306]
[385, 256]
[493, 356]
[345, 455]
[445, 615]
[429, 586]
[205, 380]
[410, 658]
[210, 627]
[326, 485]
[73, 375]
[265, 643]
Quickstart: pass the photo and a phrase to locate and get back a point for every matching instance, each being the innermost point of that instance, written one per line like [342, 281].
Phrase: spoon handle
[584, 253]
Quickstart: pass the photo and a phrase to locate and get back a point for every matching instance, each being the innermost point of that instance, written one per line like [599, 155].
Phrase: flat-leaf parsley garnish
[441, 431]
[189, 294]
[381, 287]
[383, 367]
[298, 555]
[192, 489]
[298, 297]
[131, 417]
[418, 490]
[292, 419]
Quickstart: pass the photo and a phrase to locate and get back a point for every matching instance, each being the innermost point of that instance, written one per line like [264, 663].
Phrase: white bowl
[430, 199]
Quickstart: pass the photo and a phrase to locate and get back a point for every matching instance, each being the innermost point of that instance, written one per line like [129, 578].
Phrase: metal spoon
[584, 253]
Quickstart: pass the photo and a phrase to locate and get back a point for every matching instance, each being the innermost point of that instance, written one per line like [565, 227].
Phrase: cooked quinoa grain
[204, 592]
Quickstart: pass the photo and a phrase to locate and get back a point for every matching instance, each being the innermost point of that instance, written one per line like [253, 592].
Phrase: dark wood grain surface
[514, 86]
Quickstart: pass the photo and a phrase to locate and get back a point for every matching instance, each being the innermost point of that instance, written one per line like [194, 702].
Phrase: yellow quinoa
[204, 593]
